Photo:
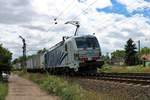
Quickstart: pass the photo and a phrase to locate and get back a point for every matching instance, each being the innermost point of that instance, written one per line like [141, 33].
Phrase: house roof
[146, 57]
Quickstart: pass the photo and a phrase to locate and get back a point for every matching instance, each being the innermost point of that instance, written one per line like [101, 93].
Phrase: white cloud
[112, 30]
[96, 3]
[135, 4]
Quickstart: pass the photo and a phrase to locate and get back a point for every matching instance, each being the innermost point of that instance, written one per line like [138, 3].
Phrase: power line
[62, 12]
[73, 7]
[40, 43]
[69, 10]
[32, 50]
[79, 14]
[85, 9]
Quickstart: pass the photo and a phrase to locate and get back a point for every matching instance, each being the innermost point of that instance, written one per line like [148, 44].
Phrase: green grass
[124, 69]
[3, 90]
[58, 86]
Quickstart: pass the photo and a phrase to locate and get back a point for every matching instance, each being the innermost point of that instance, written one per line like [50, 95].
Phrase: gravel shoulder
[22, 89]
[114, 90]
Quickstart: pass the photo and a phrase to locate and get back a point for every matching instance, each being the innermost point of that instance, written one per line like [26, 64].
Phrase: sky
[112, 21]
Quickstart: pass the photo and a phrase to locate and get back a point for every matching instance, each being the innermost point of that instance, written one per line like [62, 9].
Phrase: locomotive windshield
[88, 42]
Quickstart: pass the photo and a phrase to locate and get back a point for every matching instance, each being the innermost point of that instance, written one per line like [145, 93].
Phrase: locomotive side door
[70, 52]
[66, 51]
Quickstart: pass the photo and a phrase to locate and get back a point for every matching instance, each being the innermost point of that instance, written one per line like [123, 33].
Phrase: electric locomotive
[76, 53]
[72, 54]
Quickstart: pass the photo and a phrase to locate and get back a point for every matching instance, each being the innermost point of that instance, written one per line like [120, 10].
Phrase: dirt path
[22, 89]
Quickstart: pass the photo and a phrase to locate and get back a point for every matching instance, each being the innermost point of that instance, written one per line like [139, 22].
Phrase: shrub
[125, 69]
[62, 88]
[3, 90]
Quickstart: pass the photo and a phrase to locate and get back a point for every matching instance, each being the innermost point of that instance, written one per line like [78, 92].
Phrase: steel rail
[135, 78]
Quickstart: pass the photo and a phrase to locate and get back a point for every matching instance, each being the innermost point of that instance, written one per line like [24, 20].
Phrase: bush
[105, 68]
[124, 69]
[62, 88]
[3, 90]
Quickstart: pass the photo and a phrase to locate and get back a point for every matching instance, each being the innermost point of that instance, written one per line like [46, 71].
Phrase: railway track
[135, 78]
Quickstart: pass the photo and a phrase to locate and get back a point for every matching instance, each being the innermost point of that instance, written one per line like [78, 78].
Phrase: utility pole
[75, 23]
[139, 49]
[139, 46]
[24, 52]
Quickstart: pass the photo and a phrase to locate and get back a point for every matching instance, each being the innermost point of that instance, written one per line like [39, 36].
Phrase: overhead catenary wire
[104, 26]
[77, 15]
[73, 7]
[67, 12]
[88, 8]
[62, 12]
[84, 9]
[31, 50]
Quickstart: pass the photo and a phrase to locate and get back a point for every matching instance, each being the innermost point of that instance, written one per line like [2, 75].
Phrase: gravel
[114, 90]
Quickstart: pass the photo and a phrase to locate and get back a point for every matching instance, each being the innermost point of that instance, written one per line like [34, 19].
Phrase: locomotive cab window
[89, 42]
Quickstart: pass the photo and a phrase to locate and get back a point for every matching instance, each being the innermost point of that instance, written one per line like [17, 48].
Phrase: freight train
[72, 54]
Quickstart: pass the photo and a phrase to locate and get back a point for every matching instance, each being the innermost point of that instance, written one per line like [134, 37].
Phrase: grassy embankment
[60, 87]
[3, 89]
[125, 69]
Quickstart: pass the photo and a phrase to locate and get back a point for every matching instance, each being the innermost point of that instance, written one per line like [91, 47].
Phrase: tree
[118, 54]
[5, 58]
[145, 51]
[17, 60]
[106, 58]
[131, 57]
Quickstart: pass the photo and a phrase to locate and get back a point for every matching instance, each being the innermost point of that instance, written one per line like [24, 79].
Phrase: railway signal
[24, 52]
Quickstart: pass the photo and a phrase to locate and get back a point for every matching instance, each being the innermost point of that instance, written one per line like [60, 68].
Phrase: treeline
[121, 53]
[5, 59]
[145, 51]
[129, 56]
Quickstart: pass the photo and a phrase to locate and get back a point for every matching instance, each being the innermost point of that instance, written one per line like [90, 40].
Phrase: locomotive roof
[69, 39]
[84, 36]
[56, 45]
[80, 36]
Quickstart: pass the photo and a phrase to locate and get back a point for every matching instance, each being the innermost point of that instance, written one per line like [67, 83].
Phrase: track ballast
[135, 78]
